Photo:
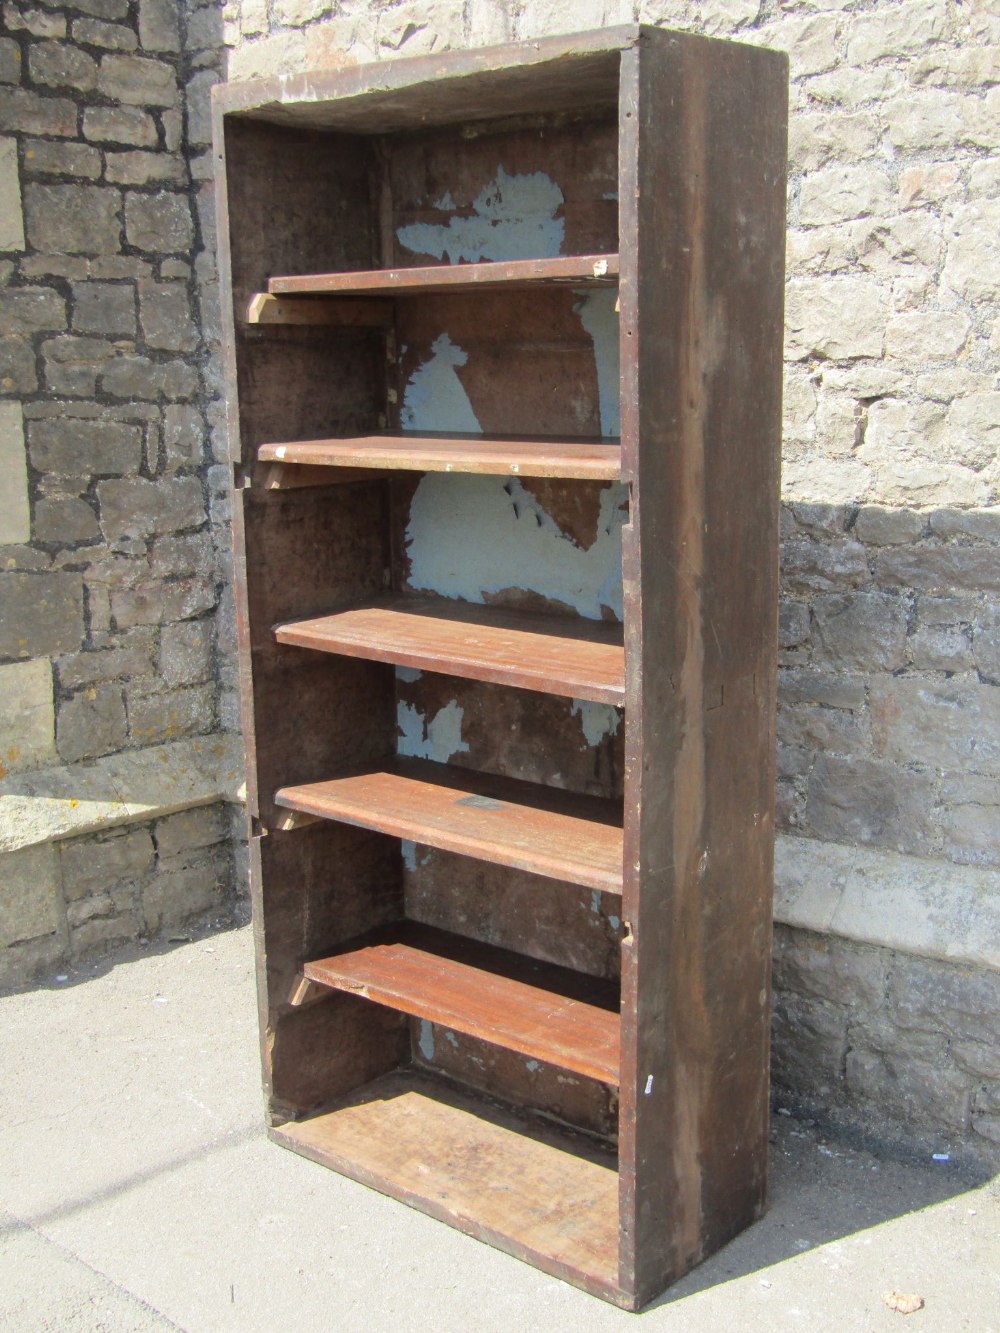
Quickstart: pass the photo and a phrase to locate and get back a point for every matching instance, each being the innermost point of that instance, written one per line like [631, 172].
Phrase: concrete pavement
[137, 1191]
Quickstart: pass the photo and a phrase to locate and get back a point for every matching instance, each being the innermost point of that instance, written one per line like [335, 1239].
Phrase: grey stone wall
[113, 524]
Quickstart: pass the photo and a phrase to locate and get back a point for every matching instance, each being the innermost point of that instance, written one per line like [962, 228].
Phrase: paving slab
[137, 1186]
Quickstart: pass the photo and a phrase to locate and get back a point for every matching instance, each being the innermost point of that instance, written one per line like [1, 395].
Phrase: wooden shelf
[591, 270]
[491, 455]
[576, 658]
[550, 1198]
[545, 1012]
[552, 833]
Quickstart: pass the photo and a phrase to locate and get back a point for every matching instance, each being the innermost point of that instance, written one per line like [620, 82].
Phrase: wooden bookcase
[503, 355]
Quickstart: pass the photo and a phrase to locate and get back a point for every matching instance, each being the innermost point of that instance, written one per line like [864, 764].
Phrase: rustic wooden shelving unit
[503, 349]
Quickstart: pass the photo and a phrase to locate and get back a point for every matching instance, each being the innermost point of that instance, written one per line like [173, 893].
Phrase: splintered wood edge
[345, 311]
[287, 821]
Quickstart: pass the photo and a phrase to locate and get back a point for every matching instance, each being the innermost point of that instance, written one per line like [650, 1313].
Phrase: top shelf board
[588, 270]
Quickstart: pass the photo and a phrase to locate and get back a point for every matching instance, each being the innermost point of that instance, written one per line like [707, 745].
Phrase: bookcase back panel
[507, 542]
[529, 1084]
[540, 190]
[544, 918]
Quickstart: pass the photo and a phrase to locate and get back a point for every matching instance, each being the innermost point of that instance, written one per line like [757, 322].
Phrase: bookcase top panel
[574, 73]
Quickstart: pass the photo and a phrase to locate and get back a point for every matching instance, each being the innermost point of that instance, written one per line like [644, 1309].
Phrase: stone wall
[113, 518]
[888, 866]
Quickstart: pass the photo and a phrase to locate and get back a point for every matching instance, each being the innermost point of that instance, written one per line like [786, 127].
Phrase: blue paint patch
[596, 720]
[408, 675]
[436, 738]
[614, 922]
[595, 901]
[409, 850]
[600, 319]
[469, 536]
[426, 1039]
[434, 398]
[531, 1065]
[513, 217]
[452, 1039]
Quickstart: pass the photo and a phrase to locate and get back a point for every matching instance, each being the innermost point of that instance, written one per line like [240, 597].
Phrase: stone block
[136, 81]
[204, 29]
[59, 65]
[171, 714]
[74, 445]
[917, 1092]
[855, 800]
[837, 194]
[25, 18]
[860, 631]
[974, 431]
[158, 25]
[27, 718]
[29, 904]
[904, 429]
[86, 909]
[815, 141]
[112, 36]
[896, 31]
[809, 1040]
[120, 125]
[17, 366]
[941, 648]
[143, 168]
[15, 514]
[165, 316]
[963, 1002]
[158, 603]
[971, 819]
[986, 642]
[926, 335]
[191, 553]
[829, 729]
[184, 436]
[977, 524]
[940, 569]
[821, 688]
[181, 834]
[793, 623]
[104, 307]
[65, 520]
[73, 219]
[972, 268]
[810, 566]
[186, 652]
[10, 61]
[174, 896]
[91, 723]
[40, 614]
[43, 157]
[131, 655]
[28, 310]
[30, 113]
[94, 865]
[103, 934]
[199, 106]
[949, 724]
[879, 526]
[836, 318]
[160, 222]
[140, 508]
[137, 377]
[827, 968]
[11, 217]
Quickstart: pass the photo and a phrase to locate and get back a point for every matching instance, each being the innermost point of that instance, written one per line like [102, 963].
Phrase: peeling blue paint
[409, 850]
[408, 675]
[436, 738]
[434, 398]
[596, 720]
[469, 536]
[595, 901]
[452, 1039]
[614, 922]
[426, 1039]
[600, 319]
[513, 217]
[531, 1065]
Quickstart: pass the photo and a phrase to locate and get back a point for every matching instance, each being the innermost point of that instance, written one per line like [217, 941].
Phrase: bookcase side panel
[703, 195]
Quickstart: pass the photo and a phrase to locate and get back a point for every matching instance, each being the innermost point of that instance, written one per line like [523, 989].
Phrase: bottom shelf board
[543, 1196]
